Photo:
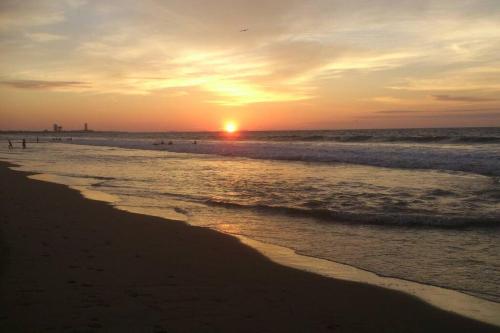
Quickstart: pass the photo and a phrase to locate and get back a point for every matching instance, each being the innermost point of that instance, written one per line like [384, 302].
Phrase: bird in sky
[243, 30]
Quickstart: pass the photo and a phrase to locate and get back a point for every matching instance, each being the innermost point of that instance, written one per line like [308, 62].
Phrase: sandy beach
[70, 264]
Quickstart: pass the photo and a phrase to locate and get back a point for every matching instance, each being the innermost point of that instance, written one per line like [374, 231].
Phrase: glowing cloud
[301, 63]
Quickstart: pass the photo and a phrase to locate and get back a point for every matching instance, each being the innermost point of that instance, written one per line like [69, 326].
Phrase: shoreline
[455, 301]
[82, 265]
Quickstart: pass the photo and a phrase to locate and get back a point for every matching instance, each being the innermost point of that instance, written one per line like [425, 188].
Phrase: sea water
[418, 205]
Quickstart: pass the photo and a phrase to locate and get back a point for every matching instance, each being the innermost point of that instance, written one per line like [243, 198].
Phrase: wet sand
[70, 264]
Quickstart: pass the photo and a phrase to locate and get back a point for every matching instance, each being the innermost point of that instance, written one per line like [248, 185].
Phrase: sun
[230, 127]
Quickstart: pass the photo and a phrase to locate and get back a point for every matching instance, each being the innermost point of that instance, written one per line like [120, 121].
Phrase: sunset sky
[186, 65]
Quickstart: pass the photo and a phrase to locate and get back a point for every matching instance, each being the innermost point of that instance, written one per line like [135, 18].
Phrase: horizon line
[243, 130]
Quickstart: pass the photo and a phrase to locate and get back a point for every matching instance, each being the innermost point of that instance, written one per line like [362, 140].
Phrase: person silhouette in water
[10, 145]
[24, 143]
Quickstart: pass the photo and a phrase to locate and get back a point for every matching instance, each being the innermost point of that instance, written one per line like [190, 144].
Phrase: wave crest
[408, 220]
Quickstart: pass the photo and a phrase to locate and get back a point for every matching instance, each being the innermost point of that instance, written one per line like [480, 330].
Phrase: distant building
[86, 128]
[57, 128]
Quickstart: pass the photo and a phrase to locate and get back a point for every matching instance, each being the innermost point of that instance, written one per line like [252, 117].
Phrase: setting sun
[230, 127]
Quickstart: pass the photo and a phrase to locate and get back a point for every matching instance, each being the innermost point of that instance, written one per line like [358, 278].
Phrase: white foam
[469, 158]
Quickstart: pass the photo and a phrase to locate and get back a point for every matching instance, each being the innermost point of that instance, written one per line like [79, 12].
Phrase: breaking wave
[405, 219]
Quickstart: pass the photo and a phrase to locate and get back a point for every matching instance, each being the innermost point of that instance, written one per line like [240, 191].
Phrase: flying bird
[243, 30]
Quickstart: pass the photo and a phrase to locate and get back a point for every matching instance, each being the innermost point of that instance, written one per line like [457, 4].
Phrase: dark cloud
[42, 85]
[448, 98]
[464, 113]
[397, 111]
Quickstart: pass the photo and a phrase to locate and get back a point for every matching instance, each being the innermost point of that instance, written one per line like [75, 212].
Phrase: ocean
[419, 205]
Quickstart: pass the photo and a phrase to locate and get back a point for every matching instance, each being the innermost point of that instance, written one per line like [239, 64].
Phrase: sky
[154, 65]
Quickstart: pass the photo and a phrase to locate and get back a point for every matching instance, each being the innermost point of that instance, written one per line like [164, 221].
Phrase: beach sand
[70, 264]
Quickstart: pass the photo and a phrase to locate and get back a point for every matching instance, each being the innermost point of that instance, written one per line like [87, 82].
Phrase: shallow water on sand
[434, 227]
